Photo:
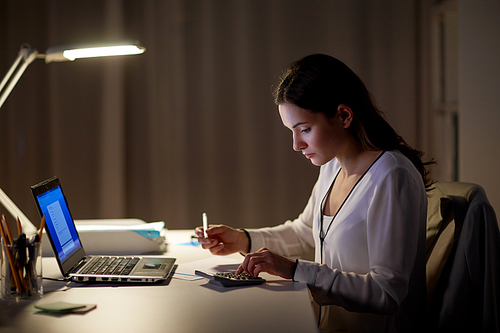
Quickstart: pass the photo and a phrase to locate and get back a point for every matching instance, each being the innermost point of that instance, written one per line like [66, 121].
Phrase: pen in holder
[21, 269]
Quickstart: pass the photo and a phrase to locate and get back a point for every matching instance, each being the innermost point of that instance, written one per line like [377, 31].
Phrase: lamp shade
[27, 55]
[72, 52]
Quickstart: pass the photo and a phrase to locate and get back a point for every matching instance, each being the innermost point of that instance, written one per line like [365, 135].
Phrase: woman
[366, 217]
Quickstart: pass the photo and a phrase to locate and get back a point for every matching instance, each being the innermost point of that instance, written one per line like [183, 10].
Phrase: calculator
[231, 279]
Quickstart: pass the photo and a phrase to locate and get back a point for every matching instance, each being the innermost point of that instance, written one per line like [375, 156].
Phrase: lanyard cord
[322, 234]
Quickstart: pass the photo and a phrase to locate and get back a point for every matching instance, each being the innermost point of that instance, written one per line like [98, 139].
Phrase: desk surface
[174, 305]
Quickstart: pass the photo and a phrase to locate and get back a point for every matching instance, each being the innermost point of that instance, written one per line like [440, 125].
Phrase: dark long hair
[320, 83]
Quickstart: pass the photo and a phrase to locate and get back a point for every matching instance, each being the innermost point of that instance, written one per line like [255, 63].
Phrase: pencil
[11, 260]
[20, 260]
[205, 225]
[40, 232]
[7, 230]
[42, 225]
[19, 227]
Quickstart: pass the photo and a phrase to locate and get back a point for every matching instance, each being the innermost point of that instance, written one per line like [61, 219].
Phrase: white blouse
[372, 247]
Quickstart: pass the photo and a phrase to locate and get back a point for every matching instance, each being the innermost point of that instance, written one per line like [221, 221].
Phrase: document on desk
[211, 265]
[122, 236]
[119, 237]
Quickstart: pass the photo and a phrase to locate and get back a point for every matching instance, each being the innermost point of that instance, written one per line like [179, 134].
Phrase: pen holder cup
[21, 270]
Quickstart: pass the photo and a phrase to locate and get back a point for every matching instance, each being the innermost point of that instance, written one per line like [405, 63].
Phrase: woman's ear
[346, 115]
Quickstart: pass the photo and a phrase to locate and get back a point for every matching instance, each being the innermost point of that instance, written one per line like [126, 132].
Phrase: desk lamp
[27, 55]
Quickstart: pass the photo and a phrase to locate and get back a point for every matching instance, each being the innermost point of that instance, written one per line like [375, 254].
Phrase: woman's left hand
[267, 261]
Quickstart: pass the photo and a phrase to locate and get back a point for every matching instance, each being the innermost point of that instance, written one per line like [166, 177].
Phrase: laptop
[68, 249]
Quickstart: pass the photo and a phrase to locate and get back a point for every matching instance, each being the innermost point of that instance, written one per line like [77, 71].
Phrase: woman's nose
[298, 144]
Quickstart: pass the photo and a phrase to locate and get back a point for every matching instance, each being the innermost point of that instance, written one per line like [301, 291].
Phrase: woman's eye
[305, 130]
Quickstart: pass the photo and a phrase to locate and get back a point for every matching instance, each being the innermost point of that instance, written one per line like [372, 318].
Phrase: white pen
[205, 225]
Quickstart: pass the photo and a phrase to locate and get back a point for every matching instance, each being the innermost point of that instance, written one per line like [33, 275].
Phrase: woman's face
[319, 138]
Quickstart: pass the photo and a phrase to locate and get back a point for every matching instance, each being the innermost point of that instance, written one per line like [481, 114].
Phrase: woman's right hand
[223, 240]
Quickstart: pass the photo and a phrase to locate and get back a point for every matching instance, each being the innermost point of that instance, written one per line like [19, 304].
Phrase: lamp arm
[26, 55]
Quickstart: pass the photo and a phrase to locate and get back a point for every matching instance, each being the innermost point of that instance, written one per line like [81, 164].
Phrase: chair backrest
[463, 259]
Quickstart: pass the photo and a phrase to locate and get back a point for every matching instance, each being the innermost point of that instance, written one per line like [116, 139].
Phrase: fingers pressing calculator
[231, 279]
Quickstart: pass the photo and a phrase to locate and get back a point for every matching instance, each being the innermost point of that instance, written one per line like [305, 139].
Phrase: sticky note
[60, 307]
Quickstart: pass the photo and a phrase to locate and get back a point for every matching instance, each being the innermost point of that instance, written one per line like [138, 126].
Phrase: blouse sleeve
[397, 209]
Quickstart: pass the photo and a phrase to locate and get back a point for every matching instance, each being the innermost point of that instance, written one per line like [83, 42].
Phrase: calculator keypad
[231, 279]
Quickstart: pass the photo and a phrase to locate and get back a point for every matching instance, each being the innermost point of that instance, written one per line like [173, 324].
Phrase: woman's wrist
[246, 242]
[294, 269]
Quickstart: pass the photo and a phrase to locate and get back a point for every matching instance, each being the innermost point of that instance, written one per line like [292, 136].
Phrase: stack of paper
[117, 237]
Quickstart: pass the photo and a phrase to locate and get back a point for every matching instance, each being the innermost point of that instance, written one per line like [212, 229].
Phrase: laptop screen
[59, 222]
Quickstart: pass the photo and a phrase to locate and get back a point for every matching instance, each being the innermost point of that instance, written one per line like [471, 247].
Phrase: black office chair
[463, 260]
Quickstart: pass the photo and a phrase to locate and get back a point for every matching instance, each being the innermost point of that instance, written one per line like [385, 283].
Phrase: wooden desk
[173, 306]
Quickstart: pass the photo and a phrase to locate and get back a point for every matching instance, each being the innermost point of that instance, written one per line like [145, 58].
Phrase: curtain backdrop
[190, 125]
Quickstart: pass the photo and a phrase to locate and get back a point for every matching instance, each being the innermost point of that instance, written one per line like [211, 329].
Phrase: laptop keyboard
[110, 266]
